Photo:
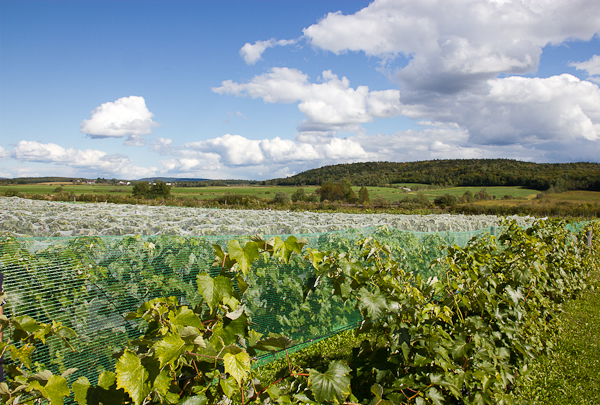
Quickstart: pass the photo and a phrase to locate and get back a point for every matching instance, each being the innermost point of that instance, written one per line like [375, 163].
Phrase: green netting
[90, 284]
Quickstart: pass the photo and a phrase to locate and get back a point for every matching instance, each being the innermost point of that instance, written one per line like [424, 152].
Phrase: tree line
[556, 177]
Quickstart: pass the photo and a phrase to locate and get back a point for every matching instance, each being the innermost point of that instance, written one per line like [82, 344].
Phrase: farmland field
[576, 196]
[391, 194]
[499, 192]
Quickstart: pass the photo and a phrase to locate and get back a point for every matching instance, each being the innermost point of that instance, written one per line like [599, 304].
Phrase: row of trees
[343, 192]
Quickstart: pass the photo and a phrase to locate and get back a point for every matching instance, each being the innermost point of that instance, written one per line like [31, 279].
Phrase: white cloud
[127, 116]
[235, 155]
[330, 105]
[591, 66]
[456, 45]
[135, 140]
[234, 150]
[162, 145]
[522, 110]
[84, 160]
[3, 153]
[253, 52]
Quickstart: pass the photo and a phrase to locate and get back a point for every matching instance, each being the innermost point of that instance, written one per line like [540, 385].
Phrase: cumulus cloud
[236, 150]
[453, 46]
[459, 68]
[162, 146]
[234, 155]
[88, 160]
[127, 116]
[253, 52]
[329, 105]
[591, 66]
[521, 110]
[3, 153]
[135, 140]
[226, 156]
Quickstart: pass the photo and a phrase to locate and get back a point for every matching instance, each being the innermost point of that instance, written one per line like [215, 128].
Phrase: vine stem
[288, 361]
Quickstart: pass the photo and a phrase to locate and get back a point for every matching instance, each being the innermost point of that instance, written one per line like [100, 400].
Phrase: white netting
[45, 218]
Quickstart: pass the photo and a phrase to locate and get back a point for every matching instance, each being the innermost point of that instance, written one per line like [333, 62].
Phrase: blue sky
[265, 89]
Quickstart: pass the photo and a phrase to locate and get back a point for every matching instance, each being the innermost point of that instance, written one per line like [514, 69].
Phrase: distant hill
[171, 179]
[456, 172]
[188, 182]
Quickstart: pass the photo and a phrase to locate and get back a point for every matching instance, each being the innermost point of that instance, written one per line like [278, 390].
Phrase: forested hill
[457, 172]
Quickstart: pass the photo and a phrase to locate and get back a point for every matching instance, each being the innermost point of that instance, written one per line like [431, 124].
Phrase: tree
[363, 195]
[349, 195]
[141, 189]
[160, 189]
[445, 200]
[281, 198]
[299, 195]
[380, 201]
[467, 197]
[337, 192]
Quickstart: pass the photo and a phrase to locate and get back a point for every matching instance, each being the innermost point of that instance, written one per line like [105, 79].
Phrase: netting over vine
[90, 283]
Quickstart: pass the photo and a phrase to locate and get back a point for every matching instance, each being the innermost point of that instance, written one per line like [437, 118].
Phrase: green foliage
[467, 197]
[337, 192]
[27, 384]
[456, 172]
[465, 334]
[281, 198]
[298, 195]
[445, 200]
[158, 189]
[141, 189]
[12, 192]
[333, 385]
[363, 195]
[570, 373]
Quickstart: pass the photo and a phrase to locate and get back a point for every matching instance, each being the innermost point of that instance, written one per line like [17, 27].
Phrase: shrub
[281, 198]
[445, 200]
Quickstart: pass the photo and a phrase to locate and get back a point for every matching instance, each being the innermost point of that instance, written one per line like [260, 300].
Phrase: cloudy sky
[269, 88]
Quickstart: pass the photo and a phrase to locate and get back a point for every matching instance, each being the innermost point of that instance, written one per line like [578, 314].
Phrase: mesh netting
[90, 283]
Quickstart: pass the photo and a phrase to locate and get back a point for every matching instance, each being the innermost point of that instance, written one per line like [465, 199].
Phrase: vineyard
[451, 309]
[44, 218]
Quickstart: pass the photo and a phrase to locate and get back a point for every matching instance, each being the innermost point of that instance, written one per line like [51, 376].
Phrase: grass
[499, 192]
[571, 373]
[574, 196]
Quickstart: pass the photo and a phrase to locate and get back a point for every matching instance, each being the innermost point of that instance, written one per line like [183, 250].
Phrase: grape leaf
[132, 377]
[170, 348]
[333, 385]
[372, 303]
[237, 365]
[104, 393]
[195, 400]
[244, 256]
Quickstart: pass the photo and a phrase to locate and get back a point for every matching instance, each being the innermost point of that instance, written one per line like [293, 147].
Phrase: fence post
[590, 239]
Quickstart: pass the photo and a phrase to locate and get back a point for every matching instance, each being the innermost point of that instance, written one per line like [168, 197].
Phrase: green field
[202, 193]
[499, 192]
[392, 194]
[68, 187]
[574, 196]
